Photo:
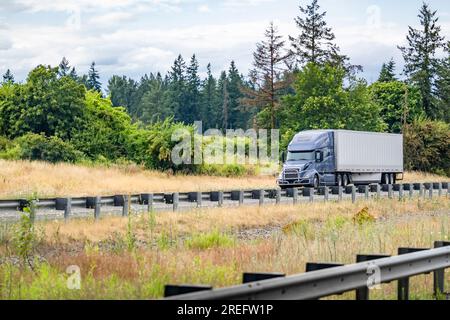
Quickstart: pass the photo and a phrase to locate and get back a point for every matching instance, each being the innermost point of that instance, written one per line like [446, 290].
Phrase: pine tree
[314, 44]
[73, 74]
[192, 100]
[270, 61]
[64, 67]
[177, 79]
[387, 73]
[122, 91]
[443, 86]
[224, 100]
[8, 77]
[420, 57]
[209, 108]
[93, 79]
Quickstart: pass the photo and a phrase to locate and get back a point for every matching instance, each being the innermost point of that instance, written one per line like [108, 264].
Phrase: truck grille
[291, 174]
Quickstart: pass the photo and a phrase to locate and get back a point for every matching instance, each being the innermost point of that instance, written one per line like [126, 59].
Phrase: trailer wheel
[344, 180]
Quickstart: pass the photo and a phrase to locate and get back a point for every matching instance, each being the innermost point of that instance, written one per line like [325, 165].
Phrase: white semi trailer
[342, 157]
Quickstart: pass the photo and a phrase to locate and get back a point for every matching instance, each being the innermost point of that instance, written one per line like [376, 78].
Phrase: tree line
[296, 83]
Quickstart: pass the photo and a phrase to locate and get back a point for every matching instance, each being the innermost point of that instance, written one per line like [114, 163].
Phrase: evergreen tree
[192, 97]
[8, 77]
[224, 98]
[73, 74]
[64, 67]
[153, 105]
[387, 73]
[209, 96]
[420, 57]
[122, 91]
[270, 61]
[443, 86]
[236, 117]
[314, 44]
[177, 79]
[93, 79]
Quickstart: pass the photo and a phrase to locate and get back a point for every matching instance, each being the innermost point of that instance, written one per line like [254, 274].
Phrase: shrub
[52, 149]
[427, 146]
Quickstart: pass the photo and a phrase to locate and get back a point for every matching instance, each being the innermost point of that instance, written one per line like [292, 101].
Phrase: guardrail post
[353, 194]
[311, 195]
[326, 193]
[220, 198]
[150, 203]
[403, 283]
[295, 195]
[241, 197]
[176, 200]
[400, 192]
[261, 197]
[68, 209]
[97, 207]
[440, 189]
[340, 193]
[378, 191]
[390, 191]
[366, 192]
[278, 196]
[199, 199]
[363, 293]
[126, 205]
[421, 190]
[411, 191]
[430, 191]
[438, 275]
[32, 207]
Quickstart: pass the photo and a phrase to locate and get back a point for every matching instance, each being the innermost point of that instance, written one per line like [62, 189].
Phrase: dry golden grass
[423, 177]
[319, 232]
[24, 178]
[239, 218]
[330, 235]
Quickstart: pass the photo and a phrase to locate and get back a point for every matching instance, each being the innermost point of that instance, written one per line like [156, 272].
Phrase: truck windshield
[300, 156]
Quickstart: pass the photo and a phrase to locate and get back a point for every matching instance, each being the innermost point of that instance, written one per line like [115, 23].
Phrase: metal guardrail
[239, 196]
[332, 280]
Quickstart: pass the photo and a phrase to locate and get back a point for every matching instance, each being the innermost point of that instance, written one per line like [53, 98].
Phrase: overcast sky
[133, 37]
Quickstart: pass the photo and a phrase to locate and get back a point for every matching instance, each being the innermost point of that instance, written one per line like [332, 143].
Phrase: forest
[297, 82]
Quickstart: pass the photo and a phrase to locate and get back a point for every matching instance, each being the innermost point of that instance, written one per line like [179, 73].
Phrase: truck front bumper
[295, 183]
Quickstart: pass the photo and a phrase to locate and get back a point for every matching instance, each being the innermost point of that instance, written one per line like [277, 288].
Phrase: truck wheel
[316, 182]
[338, 180]
[344, 180]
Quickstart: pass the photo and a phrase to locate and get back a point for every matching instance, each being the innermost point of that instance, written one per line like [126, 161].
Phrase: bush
[427, 146]
[153, 146]
[39, 147]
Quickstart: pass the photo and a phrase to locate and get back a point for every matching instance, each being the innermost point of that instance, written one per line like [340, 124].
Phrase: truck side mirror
[319, 156]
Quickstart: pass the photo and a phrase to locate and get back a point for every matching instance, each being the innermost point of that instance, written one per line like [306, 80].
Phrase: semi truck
[341, 157]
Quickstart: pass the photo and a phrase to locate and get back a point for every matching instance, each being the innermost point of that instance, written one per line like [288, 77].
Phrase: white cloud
[203, 8]
[245, 3]
[110, 19]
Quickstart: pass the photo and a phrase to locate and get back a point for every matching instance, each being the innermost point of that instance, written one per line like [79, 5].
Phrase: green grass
[210, 240]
